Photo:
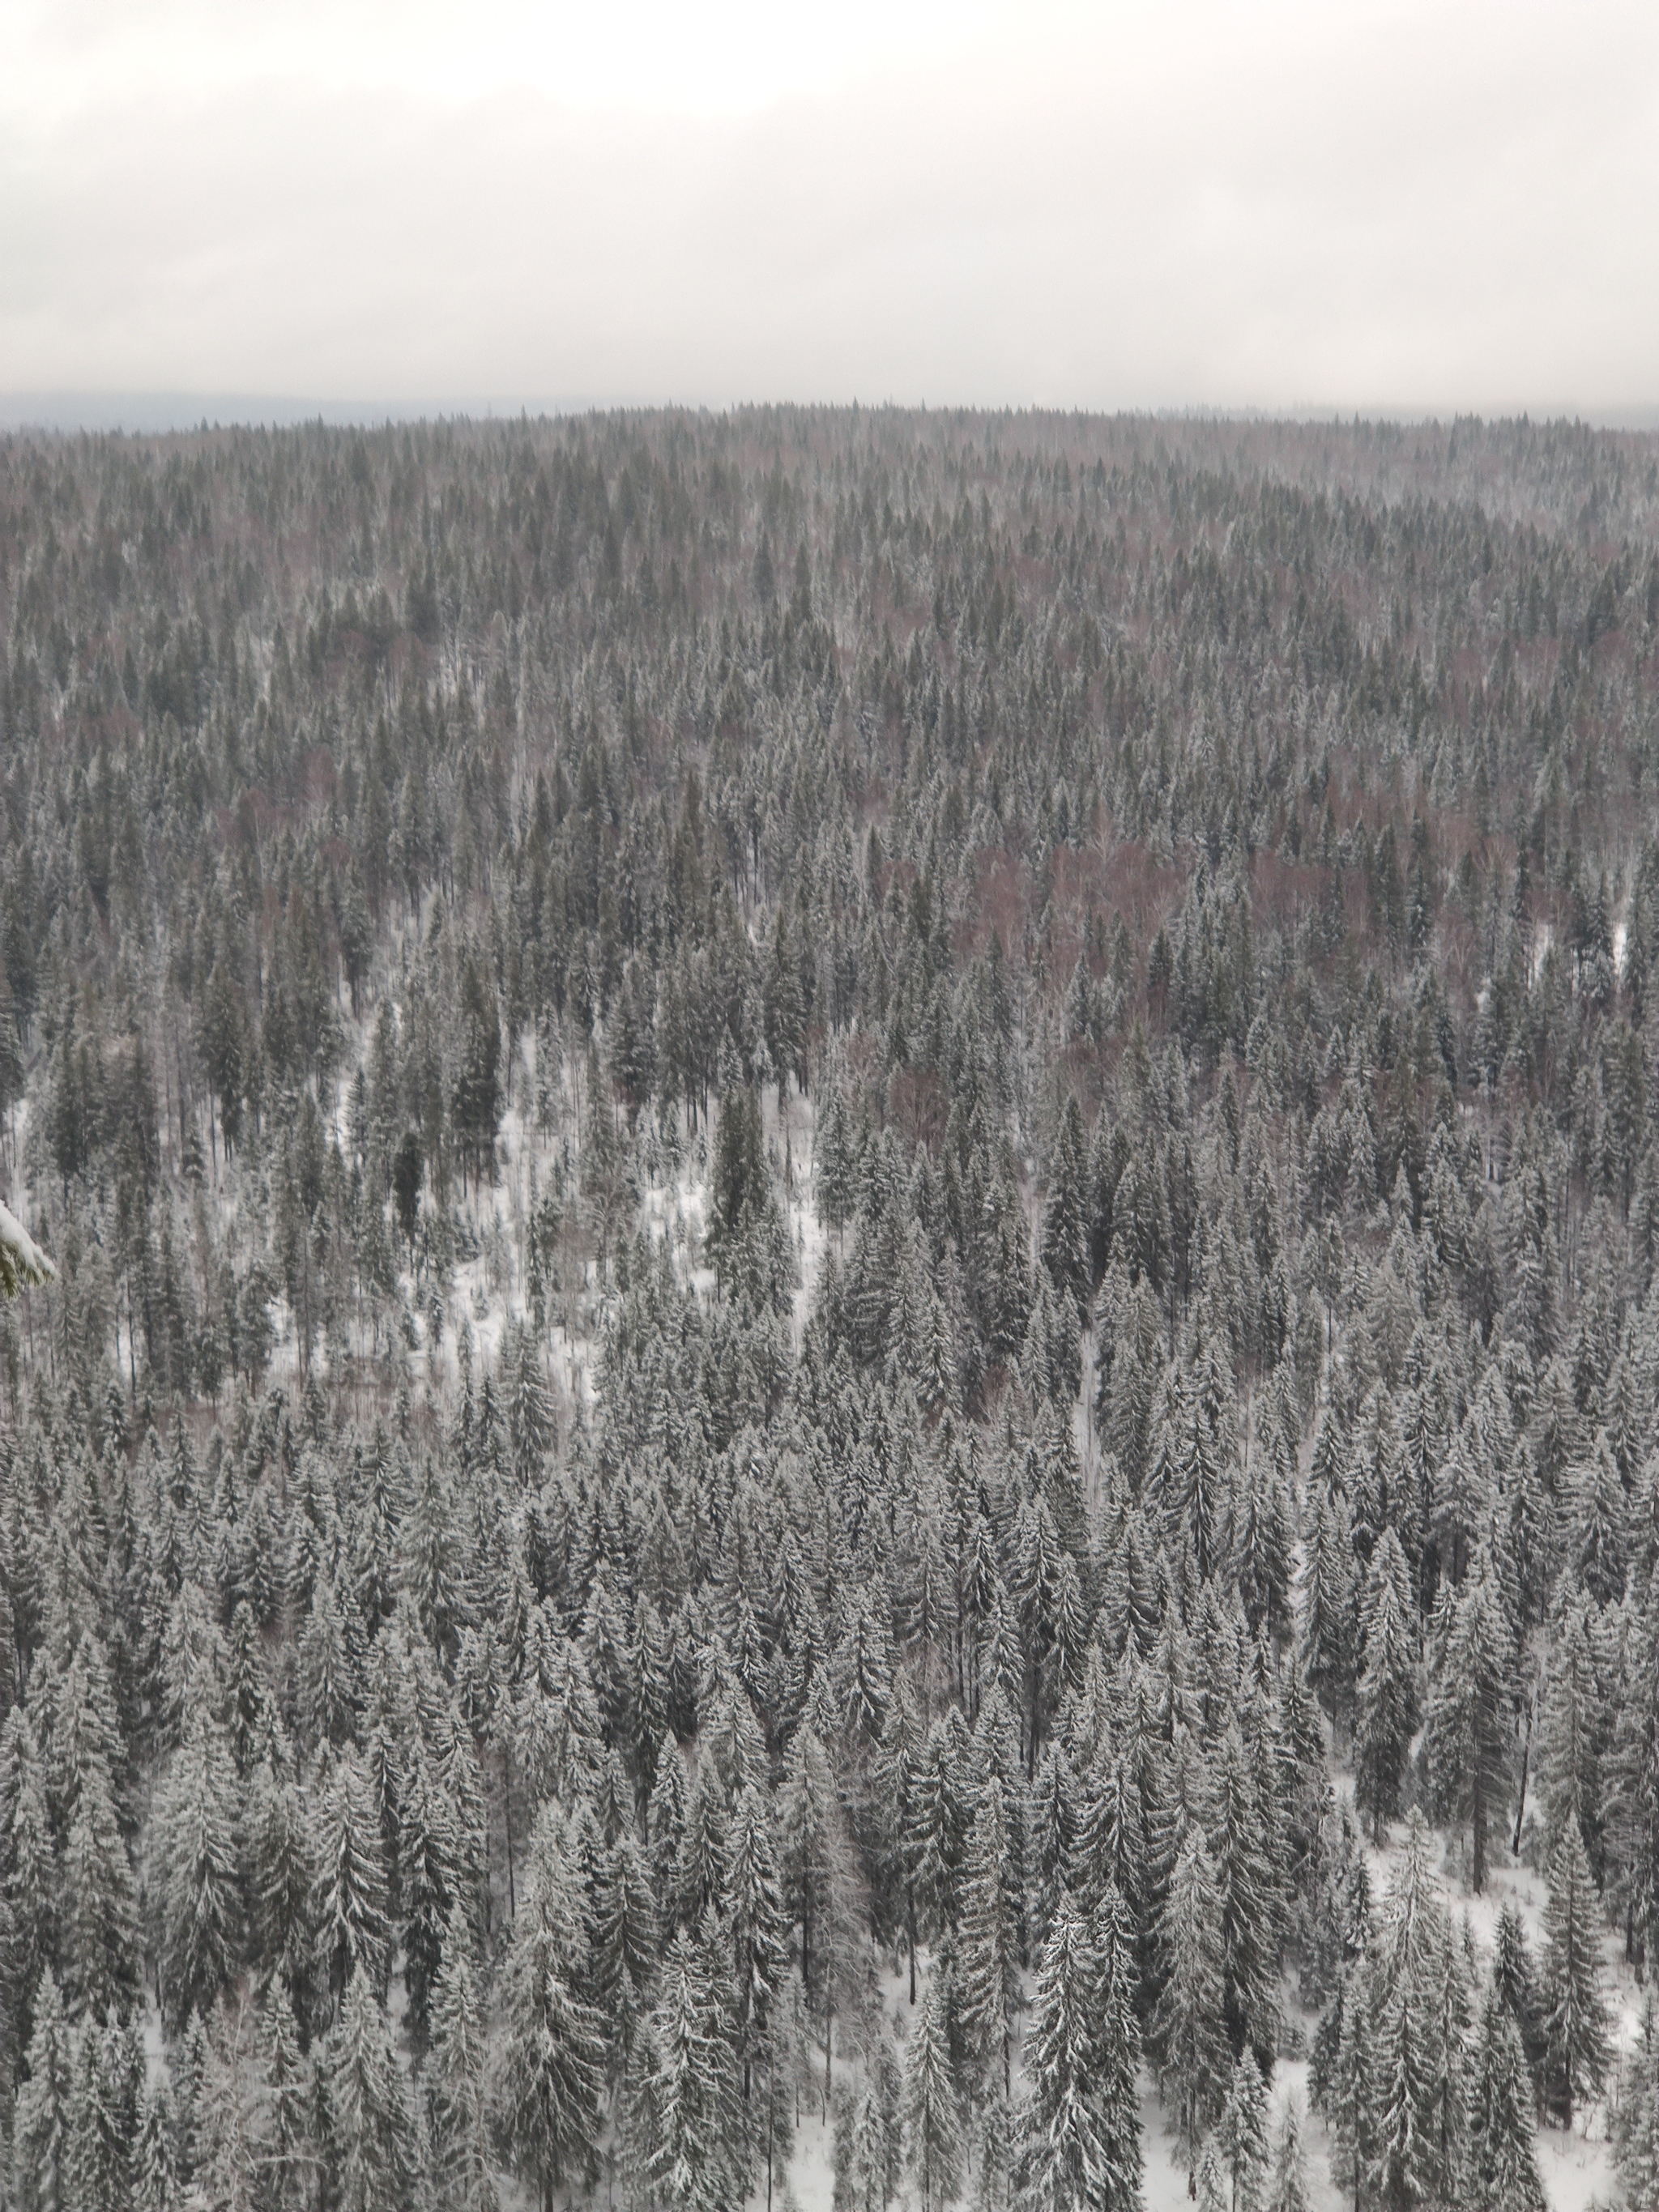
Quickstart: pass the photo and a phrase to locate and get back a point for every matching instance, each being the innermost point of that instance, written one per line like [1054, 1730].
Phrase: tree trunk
[507, 1820]
[1526, 1761]
[1478, 1824]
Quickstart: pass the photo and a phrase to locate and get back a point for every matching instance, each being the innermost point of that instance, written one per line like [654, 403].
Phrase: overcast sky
[1358, 203]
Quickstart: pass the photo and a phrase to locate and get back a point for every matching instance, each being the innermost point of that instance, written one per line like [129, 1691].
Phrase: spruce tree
[1287, 2183]
[349, 1908]
[1572, 1726]
[201, 1876]
[1064, 1243]
[1250, 1901]
[987, 1988]
[1405, 2060]
[1577, 2023]
[771, 2104]
[1243, 2134]
[41, 2123]
[1075, 2146]
[813, 1865]
[1189, 2026]
[1447, 2115]
[552, 2056]
[834, 1179]
[594, 828]
[373, 2147]
[98, 2166]
[1635, 2115]
[100, 1905]
[290, 2076]
[866, 2185]
[1470, 1732]
[189, 2073]
[452, 2077]
[231, 2112]
[431, 1876]
[28, 1881]
[755, 1909]
[1385, 1718]
[1328, 1604]
[1209, 2182]
[1349, 2098]
[697, 2163]
[1515, 1986]
[625, 1943]
[1504, 2166]
[154, 2168]
[932, 2118]
[274, 1858]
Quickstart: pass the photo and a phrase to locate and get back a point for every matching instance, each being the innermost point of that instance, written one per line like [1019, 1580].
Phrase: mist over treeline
[854, 1337]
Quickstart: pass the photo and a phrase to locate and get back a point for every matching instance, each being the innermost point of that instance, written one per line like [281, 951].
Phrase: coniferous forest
[852, 1396]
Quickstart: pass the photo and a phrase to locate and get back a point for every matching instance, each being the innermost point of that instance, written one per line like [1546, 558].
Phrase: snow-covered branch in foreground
[21, 1260]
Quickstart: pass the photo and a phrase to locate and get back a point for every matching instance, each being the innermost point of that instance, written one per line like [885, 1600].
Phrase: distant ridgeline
[855, 1217]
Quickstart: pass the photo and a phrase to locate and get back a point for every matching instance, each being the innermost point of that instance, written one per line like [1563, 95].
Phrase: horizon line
[163, 412]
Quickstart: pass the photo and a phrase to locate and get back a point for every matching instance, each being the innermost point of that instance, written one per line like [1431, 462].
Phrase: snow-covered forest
[852, 1397]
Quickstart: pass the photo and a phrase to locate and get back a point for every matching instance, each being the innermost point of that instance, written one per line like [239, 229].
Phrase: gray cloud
[1378, 205]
